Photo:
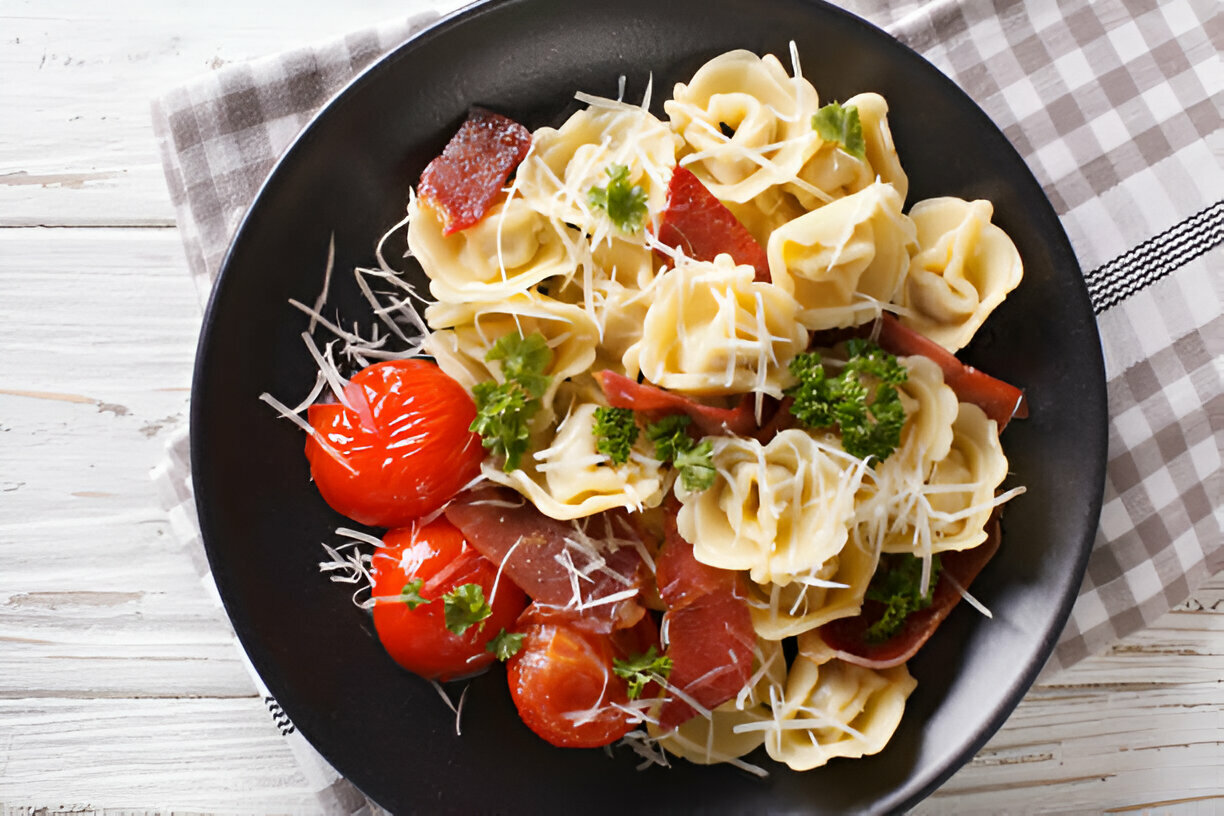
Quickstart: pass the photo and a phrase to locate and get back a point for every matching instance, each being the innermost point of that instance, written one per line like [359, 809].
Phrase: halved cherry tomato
[563, 685]
[403, 448]
[441, 559]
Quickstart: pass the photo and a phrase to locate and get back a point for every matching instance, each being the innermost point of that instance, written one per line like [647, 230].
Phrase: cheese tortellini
[845, 261]
[964, 268]
[512, 249]
[836, 709]
[745, 124]
[778, 510]
[566, 478]
[712, 329]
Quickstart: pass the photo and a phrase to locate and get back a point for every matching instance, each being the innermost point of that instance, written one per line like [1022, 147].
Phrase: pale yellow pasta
[768, 111]
[777, 510]
[964, 268]
[958, 498]
[844, 261]
[836, 709]
[463, 333]
[509, 250]
[831, 173]
[712, 329]
[832, 592]
[565, 163]
[566, 478]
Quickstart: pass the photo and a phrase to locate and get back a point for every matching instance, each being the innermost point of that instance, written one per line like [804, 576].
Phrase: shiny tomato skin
[405, 444]
[417, 638]
[561, 670]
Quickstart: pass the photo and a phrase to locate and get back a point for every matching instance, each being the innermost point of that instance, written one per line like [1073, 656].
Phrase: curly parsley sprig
[624, 203]
[673, 444]
[642, 669]
[615, 432]
[897, 584]
[504, 410]
[862, 401]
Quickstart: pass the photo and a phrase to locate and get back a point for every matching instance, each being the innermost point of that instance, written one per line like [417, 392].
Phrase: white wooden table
[119, 689]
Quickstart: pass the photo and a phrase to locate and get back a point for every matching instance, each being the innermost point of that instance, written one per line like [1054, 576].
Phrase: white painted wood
[119, 689]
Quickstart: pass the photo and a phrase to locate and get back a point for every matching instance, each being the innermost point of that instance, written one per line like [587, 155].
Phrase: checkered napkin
[1114, 104]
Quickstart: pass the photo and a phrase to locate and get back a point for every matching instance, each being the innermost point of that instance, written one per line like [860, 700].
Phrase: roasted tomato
[401, 450]
[563, 684]
[411, 618]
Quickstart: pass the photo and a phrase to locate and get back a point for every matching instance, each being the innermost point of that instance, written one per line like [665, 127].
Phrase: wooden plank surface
[119, 688]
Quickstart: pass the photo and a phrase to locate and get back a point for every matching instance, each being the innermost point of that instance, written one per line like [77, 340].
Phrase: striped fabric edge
[1155, 258]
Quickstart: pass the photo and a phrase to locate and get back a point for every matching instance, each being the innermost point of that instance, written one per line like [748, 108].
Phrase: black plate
[349, 173]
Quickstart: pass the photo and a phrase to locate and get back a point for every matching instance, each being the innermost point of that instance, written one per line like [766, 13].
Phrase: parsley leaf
[696, 465]
[896, 584]
[411, 594]
[839, 125]
[670, 436]
[673, 444]
[641, 669]
[862, 401]
[505, 645]
[464, 606]
[504, 410]
[615, 433]
[625, 204]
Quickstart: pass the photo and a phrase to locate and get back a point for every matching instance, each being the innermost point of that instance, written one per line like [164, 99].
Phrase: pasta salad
[681, 437]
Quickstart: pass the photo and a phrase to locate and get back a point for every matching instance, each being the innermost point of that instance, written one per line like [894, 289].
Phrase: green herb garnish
[464, 606]
[897, 585]
[869, 427]
[839, 125]
[625, 204]
[504, 410]
[642, 669]
[411, 594]
[505, 645]
[615, 433]
[673, 444]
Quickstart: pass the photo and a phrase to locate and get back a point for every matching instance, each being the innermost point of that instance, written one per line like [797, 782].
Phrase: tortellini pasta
[712, 329]
[836, 709]
[846, 260]
[778, 510]
[511, 249]
[567, 162]
[464, 333]
[831, 172]
[958, 497]
[745, 124]
[964, 268]
[834, 591]
[566, 478]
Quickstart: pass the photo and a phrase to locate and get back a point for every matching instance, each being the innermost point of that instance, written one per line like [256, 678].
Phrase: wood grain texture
[120, 691]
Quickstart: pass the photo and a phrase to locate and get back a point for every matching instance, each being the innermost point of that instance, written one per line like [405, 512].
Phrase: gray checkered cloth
[1114, 104]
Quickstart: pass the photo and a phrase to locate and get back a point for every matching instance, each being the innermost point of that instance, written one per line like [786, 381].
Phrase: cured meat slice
[464, 182]
[696, 222]
[625, 392]
[589, 571]
[846, 637]
[1001, 401]
[709, 629]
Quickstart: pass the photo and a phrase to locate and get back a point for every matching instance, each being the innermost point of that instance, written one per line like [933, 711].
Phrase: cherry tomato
[403, 448]
[563, 685]
[417, 638]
